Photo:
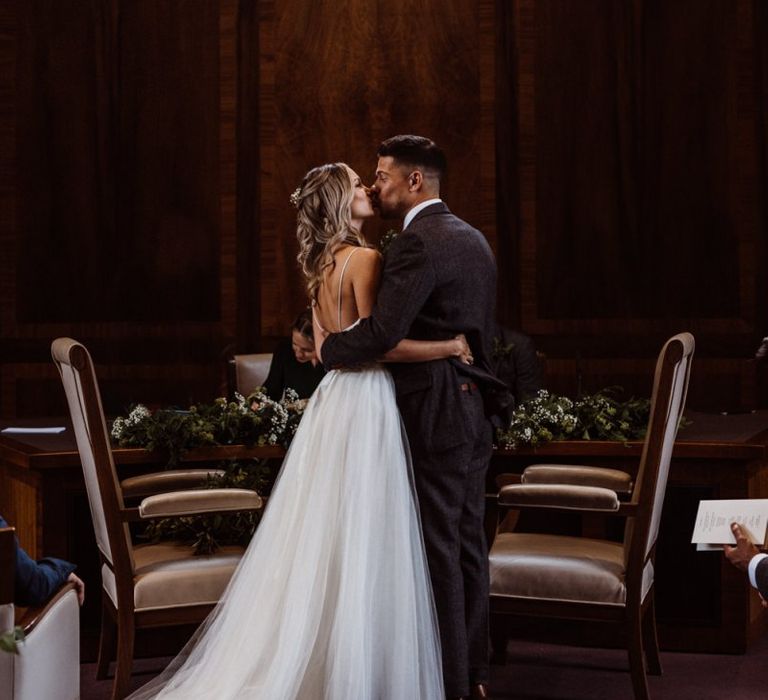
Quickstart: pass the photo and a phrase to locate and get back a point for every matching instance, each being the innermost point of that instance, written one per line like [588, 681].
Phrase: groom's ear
[415, 181]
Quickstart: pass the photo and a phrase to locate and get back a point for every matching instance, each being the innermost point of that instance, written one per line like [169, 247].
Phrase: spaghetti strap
[341, 280]
[315, 318]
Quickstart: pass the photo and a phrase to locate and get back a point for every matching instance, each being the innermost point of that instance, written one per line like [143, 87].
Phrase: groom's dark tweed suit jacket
[439, 279]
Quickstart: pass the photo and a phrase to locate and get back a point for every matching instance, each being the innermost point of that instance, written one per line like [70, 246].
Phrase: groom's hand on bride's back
[464, 353]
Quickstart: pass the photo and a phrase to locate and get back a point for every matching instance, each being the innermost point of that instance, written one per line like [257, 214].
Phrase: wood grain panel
[716, 385]
[118, 192]
[329, 92]
[614, 154]
[34, 390]
[22, 506]
[7, 166]
[638, 167]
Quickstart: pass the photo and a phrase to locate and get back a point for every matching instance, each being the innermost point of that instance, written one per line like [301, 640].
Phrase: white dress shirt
[753, 562]
[415, 210]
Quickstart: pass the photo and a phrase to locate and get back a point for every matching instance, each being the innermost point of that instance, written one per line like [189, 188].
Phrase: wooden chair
[557, 576]
[48, 663]
[149, 585]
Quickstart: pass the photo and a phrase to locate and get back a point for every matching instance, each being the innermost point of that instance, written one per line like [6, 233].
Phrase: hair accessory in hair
[295, 197]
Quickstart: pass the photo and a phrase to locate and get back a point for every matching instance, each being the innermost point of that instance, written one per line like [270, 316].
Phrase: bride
[332, 599]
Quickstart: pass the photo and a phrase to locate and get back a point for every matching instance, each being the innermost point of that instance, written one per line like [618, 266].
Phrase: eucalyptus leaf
[9, 642]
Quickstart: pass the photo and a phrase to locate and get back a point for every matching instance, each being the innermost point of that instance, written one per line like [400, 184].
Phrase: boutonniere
[386, 240]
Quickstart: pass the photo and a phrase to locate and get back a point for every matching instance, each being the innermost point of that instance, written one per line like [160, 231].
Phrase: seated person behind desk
[294, 363]
[516, 364]
[36, 581]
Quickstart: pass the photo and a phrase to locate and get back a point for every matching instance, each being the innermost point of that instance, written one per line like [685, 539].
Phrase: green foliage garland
[600, 416]
[255, 420]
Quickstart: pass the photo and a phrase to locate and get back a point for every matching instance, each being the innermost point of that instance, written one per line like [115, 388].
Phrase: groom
[439, 279]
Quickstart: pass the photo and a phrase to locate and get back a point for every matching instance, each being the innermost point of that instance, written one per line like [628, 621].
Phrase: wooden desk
[41, 474]
[703, 603]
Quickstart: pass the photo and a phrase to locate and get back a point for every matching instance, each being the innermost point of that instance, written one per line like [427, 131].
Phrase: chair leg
[125, 636]
[499, 640]
[650, 639]
[636, 655]
[106, 644]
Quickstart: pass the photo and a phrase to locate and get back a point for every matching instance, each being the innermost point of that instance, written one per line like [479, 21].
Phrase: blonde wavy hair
[324, 220]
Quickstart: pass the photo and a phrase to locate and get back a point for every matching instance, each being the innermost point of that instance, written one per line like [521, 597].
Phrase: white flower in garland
[134, 418]
[599, 416]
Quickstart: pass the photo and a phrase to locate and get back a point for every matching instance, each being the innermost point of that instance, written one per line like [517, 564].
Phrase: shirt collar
[415, 210]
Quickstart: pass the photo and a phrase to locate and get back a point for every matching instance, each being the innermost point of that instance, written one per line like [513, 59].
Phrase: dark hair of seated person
[294, 362]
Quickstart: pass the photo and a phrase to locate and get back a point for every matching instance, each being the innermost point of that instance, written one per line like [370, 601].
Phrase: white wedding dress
[332, 599]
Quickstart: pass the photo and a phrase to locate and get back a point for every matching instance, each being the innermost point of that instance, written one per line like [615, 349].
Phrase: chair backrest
[251, 371]
[670, 385]
[93, 443]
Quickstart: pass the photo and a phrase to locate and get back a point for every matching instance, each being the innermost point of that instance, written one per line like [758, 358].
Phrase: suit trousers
[451, 489]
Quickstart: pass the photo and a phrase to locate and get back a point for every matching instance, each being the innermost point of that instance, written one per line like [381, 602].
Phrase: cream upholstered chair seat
[560, 568]
[168, 576]
[47, 666]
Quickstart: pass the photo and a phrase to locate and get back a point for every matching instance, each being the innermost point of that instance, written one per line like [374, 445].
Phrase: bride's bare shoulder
[366, 257]
[360, 259]
[363, 252]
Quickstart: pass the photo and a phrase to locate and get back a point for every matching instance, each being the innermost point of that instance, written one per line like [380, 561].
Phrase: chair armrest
[563, 497]
[177, 503]
[32, 616]
[160, 482]
[506, 479]
[577, 475]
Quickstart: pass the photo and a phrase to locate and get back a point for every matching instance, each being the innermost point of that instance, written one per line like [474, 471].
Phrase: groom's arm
[407, 281]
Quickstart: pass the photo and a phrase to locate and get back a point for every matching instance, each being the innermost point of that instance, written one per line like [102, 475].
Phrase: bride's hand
[462, 350]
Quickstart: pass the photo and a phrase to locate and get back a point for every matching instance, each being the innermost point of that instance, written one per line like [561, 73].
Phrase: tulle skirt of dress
[332, 600]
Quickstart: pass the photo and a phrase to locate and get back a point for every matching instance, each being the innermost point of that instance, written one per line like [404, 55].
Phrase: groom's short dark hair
[416, 152]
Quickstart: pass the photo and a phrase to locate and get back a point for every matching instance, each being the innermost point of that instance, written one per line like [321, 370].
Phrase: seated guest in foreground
[36, 581]
[747, 557]
[294, 363]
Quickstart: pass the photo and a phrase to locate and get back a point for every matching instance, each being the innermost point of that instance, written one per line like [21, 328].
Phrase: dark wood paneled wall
[119, 217]
[337, 78]
[614, 153]
[638, 156]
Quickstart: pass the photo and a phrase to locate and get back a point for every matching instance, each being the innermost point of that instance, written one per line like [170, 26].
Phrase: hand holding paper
[742, 553]
[714, 519]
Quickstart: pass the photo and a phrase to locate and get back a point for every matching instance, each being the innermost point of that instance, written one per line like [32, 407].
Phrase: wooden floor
[537, 671]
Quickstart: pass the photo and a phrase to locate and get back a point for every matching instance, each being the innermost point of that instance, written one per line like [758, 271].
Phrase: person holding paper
[747, 557]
